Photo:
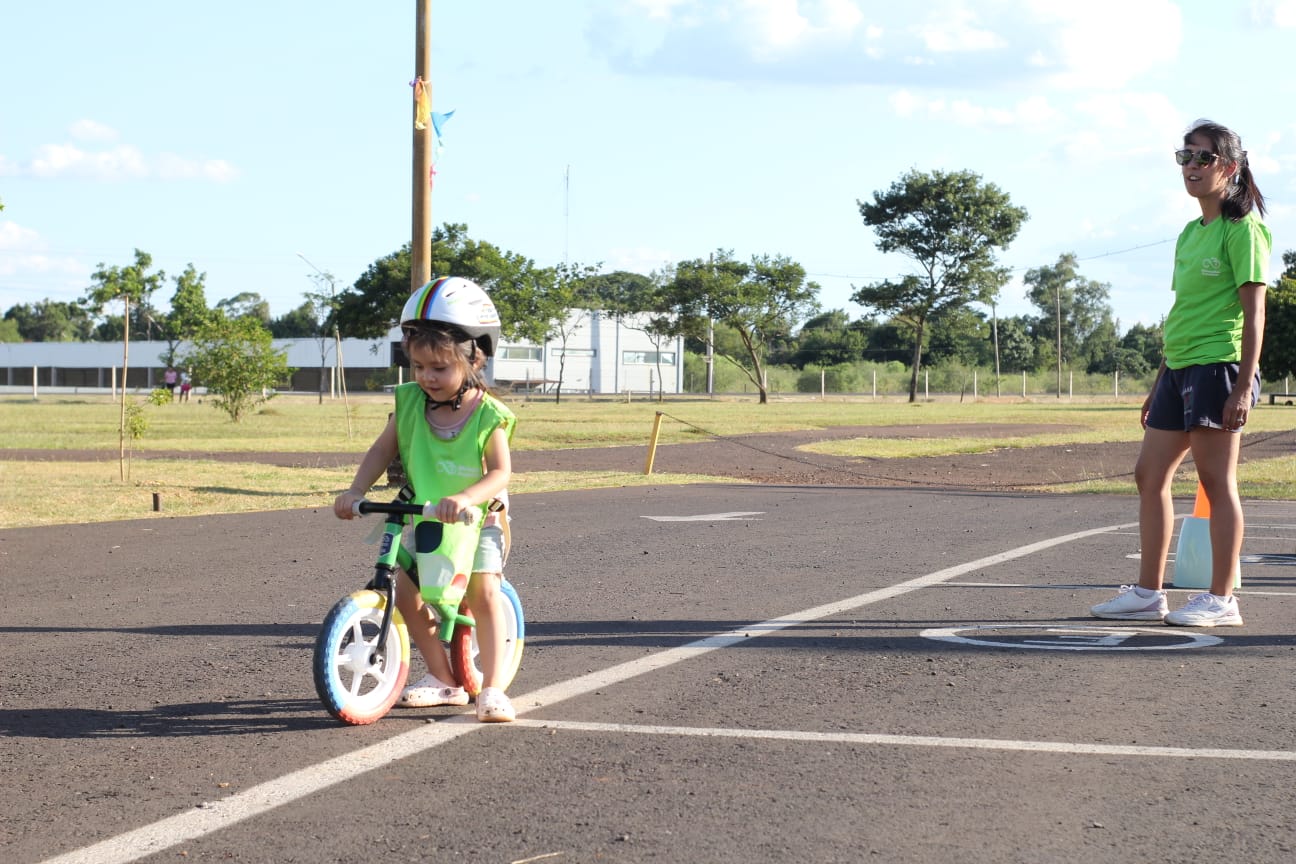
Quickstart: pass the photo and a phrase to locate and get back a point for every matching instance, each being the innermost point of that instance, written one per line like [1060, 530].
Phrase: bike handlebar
[427, 511]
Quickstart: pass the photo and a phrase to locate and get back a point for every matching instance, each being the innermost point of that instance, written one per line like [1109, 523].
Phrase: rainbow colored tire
[463, 644]
[356, 683]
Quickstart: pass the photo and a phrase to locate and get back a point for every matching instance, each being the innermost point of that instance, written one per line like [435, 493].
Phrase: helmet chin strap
[454, 403]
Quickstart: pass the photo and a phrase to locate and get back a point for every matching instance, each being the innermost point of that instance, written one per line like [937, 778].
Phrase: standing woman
[1209, 379]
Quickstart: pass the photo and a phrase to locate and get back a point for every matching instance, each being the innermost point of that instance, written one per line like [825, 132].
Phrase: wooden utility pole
[421, 239]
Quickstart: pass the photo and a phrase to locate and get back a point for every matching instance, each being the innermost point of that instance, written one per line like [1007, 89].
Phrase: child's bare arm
[375, 462]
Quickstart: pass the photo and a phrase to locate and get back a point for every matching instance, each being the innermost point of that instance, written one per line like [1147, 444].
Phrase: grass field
[53, 492]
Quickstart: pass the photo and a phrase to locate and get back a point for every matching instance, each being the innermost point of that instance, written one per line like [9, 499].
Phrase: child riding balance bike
[453, 441]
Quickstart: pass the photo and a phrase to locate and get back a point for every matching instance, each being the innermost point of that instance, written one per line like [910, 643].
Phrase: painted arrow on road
[709, 517]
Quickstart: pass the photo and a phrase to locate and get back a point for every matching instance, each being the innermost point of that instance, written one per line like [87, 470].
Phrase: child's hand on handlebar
[344, 504]
[449, 508]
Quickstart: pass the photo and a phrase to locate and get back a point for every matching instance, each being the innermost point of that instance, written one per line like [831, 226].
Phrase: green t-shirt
[1211, 263]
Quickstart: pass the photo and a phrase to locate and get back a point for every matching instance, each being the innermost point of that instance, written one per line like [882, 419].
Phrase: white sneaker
[1207, 610]
[494, 707]
[431, 690]
[1129, 606]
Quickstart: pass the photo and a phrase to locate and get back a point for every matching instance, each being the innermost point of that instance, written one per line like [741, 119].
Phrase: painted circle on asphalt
[1070, 637]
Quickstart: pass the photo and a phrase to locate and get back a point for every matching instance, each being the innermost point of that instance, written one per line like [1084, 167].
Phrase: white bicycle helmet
[460, 303]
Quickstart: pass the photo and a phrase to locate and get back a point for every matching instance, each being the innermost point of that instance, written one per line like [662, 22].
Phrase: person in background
[1209, 379]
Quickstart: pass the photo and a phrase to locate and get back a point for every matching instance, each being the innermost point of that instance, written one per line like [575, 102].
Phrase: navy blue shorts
[1195, 396]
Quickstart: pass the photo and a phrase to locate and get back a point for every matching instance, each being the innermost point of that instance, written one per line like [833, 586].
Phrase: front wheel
[464, 648]
[357, 683]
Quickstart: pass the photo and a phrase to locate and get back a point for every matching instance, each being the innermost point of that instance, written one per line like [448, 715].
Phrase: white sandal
[429, 691]
[494, 707]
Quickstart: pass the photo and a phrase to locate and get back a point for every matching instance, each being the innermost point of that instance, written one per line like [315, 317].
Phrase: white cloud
[1084, 49]
[640, 260]
[115, 164]
[1274, 13]
[91, 130]
[1033, 112]
[15, 238]
[66, 160]
[173, 167]
[962, 43]
[25, 256]
[956, 30]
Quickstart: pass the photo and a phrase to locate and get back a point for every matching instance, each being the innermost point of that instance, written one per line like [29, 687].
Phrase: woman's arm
[1238, 404]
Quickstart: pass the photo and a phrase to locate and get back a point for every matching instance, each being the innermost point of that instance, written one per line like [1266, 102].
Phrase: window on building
[648, 358]
[519, 352]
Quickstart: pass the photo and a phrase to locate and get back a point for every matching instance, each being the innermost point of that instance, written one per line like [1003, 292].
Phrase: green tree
[235, 360]
[189, 310]
[961, 335]
[49, 321]
[623, 293]
[637, 302]
[188, 313]
[373, 305]
[1016, 351]
[320, 310]
[246, 304]
[949, 224]
[299, 323]
[1071, 309]
[1278, 351]
[889, 342]
[827, 340]
[760, 300]
[1146, 341]
[132, 285]
[9, 330]
[565, 305]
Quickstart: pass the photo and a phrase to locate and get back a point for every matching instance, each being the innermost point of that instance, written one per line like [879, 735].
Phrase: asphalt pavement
[712, 674]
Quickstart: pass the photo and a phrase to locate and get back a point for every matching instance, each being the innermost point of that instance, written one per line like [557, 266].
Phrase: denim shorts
[490, 551]
[1195, 396]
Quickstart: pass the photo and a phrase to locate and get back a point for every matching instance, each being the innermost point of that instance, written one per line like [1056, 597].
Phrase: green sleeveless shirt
[438, 467]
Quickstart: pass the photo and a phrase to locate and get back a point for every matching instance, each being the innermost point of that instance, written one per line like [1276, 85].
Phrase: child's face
[439, 372]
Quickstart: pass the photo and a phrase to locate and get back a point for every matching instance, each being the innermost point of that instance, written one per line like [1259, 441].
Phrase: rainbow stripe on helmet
[429, 294]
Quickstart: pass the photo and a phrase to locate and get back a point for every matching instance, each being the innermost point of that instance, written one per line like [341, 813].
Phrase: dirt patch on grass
[775, 458]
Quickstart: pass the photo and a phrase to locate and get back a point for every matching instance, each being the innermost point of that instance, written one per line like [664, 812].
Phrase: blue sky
[631, 133]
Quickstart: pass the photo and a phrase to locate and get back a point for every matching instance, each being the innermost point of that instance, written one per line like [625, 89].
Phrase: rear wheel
[464, 649]
[357, 683]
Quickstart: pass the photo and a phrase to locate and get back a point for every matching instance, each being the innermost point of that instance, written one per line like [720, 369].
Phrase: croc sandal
[429, 691]
[494, 707]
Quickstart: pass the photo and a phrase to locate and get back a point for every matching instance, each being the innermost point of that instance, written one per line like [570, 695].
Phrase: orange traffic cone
[1201, 507]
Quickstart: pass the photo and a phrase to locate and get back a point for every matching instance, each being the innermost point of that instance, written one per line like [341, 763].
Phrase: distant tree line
[754, 314]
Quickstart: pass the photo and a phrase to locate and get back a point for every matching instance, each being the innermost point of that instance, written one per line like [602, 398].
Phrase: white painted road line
[1241, 592]
[215, 816]
[867, 738]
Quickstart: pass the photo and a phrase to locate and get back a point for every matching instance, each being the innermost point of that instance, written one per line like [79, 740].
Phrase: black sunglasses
[1200, 158]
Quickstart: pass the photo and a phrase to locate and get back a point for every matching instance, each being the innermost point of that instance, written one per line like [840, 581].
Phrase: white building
[603, 355]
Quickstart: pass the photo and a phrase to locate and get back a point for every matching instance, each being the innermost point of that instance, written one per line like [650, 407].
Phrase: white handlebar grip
[355, 507]
[467, 516]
